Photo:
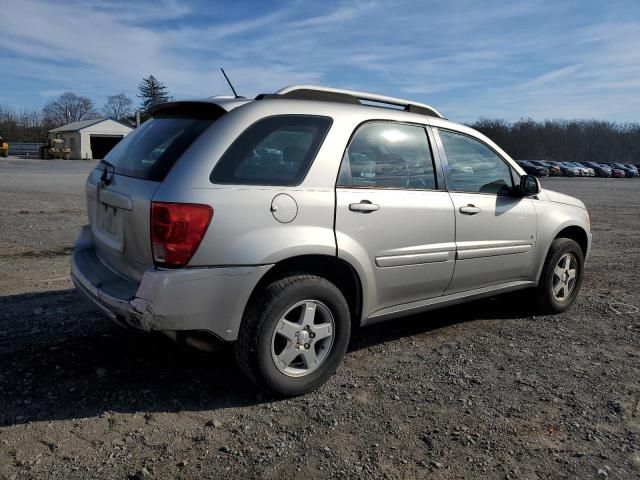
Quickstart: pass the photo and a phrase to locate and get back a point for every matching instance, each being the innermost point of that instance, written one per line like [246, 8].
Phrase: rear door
[495, 230]
[391, 217]
[120, 190]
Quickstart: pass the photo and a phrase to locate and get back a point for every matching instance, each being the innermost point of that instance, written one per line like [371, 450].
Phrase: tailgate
[119, 215]
[120, 190]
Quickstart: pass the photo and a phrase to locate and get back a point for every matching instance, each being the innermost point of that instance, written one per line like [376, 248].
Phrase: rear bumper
[209, 299]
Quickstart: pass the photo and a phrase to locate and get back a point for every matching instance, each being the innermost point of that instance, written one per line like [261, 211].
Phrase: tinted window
[388, 155]
[473, 166]
[273, 151]
[151, 149]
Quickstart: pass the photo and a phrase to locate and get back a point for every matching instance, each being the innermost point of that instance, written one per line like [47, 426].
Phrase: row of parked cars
[544, 168]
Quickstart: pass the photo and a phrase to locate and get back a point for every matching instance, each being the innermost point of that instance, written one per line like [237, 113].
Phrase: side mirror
[529, 185]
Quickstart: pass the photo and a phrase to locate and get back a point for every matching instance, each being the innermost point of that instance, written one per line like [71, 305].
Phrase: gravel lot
[483, 390]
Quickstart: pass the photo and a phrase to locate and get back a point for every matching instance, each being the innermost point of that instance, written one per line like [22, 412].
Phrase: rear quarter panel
[243, 230]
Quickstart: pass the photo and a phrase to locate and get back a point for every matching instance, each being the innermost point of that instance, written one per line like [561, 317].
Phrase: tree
[565, 140]
[152, 92]
[68, 108]
[118, 106]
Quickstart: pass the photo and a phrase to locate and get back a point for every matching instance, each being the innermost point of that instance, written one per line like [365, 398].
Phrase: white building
[91, 139]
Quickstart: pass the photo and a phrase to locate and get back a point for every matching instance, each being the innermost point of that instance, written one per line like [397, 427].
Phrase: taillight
[176, 231]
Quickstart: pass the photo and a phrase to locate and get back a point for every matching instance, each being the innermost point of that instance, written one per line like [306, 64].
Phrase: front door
[392, 221]
[495, 229]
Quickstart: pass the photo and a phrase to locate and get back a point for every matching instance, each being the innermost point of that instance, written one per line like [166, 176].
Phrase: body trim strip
[466, 254]
[414, 259]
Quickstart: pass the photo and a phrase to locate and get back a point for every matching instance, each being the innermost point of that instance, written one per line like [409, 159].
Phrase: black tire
[253, 349]
[546, 301]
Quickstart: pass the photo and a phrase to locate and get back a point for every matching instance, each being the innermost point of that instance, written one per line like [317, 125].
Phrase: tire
[552, 279]
[260, 347]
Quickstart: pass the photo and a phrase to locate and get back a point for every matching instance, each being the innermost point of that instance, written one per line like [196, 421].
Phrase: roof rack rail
[313, 92]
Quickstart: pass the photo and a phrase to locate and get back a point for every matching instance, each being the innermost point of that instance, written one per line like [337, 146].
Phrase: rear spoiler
[188, 108]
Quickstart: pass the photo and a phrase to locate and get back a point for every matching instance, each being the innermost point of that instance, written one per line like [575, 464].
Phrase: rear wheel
[561, 276]
[294, 335]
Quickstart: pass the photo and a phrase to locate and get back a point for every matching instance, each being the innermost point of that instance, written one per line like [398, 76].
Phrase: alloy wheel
[303, 338]
[564, 277]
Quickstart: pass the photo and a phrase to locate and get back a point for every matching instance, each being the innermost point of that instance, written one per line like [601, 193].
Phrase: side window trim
[303, 174]
[447, 169]
[441, 179]
[438, 173]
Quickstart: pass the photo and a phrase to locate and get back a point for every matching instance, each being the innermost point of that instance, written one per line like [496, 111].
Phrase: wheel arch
[577, 234]
[568, 230]
[338, 271]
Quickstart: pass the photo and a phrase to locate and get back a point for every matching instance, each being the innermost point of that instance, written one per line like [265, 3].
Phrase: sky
[558, 59]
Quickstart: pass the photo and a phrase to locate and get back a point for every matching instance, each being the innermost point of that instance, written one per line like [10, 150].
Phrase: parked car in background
[634, 168]
[600, 170]
[279, 224]
[569, 170]
[590, 172]
[533, 169]
[584, 171]
[554, 170]
[615, 171]
[628, 172]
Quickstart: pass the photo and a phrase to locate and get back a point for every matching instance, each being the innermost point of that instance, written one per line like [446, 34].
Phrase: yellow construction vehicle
[4, 148]
[55, 148]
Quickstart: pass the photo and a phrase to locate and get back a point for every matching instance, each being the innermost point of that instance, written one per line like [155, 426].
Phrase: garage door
[101, 145]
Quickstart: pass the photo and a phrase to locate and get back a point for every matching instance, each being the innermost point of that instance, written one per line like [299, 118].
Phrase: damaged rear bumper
[208, 299]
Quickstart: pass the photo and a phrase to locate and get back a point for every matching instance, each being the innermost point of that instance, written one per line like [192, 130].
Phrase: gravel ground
[482, 390]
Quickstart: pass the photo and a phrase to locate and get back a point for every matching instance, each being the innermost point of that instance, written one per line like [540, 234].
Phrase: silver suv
[283, 222]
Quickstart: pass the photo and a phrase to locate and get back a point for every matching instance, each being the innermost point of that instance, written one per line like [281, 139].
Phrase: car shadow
[61, 359]
[515, 305]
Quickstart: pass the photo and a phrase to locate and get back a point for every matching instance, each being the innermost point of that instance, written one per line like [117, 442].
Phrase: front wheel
[561, 276]
[294, 335]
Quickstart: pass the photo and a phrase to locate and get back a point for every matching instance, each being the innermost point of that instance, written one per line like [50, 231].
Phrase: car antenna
[229, 82]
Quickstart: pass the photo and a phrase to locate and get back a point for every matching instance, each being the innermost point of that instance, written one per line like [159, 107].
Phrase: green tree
[152, 91]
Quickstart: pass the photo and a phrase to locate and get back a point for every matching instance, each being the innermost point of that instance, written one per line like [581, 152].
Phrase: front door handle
[470, 209]
[365, 206]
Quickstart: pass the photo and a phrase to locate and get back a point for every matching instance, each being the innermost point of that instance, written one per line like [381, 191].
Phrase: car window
[388, 155]
[276, 150]
[473, 166]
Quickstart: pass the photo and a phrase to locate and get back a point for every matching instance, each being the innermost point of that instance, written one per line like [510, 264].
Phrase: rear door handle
[470, 209]
[365, 206]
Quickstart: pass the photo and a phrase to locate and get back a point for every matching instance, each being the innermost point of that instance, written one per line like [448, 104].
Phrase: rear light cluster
[176, 231]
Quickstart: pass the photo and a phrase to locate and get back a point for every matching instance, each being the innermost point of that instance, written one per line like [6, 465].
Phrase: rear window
[150, 151]
[276, 150]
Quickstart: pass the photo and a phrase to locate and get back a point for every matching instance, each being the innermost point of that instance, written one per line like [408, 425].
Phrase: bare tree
[565, 140]
[118, 106]
[68, 108]
[24, 125]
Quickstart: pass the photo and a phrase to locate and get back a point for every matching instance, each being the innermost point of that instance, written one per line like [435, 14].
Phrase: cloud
[469, 59]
